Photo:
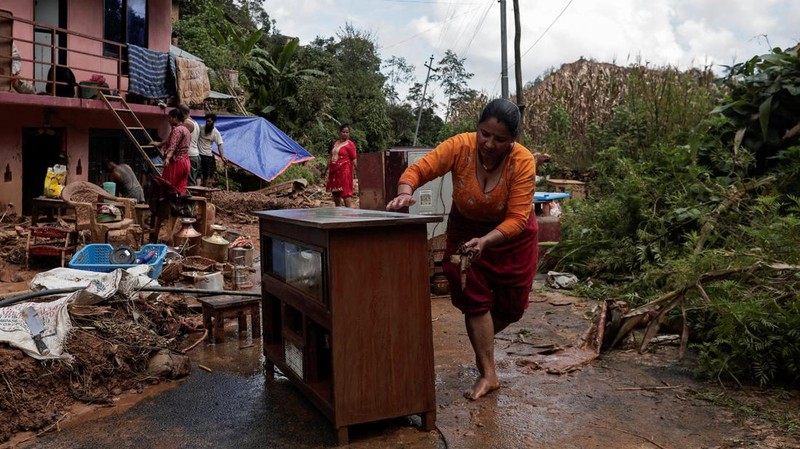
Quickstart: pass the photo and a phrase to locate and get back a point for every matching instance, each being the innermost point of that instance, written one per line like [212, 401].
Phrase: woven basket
[171, 272]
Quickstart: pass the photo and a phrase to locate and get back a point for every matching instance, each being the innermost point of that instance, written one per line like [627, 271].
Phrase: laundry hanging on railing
[152, 74]
[193, 84]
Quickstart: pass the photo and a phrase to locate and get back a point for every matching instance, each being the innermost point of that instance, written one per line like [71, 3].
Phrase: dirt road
[623, 400]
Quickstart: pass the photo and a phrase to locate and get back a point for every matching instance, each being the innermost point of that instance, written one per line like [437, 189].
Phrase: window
[125, 21]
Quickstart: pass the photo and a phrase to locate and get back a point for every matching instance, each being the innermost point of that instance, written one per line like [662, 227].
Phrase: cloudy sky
[676, 32]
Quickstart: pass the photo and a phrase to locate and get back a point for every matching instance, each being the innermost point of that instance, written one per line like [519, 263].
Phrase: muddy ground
[623, 399]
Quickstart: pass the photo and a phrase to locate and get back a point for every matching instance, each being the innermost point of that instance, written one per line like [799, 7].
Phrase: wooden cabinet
[346, 311]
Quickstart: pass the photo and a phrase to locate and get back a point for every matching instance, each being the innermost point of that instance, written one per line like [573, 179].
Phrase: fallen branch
[535, 345]
[655, 325]
[56, 424]
[662, 305]
[670, 387]
[199, 340]
[733, 196]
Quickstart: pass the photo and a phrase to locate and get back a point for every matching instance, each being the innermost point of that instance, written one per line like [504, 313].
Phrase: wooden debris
[669, 387]
[295, 185]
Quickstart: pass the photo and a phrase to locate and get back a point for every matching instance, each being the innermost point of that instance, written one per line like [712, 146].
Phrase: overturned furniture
[85, 198]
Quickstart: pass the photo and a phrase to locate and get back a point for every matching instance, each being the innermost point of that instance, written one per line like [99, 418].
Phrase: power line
[464, 30]
[537, 40]
[431, 28]
[443, 32]
[431, 2]
[546, 30]
[478, 28]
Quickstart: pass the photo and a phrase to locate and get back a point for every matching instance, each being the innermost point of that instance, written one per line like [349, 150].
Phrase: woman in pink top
[491, 219]
[176, 169]
[176, 156]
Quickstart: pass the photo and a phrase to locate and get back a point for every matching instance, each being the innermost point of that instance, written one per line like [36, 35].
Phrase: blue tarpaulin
[258, 146]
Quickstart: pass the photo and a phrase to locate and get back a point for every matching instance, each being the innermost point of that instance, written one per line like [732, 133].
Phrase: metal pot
[215, 246]
[187, 239]
[241, 256]
[211, 281]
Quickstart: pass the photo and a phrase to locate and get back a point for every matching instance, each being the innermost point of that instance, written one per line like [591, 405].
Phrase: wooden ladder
[120, 109]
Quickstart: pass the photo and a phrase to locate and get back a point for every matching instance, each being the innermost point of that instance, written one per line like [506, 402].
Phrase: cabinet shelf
[359, 345]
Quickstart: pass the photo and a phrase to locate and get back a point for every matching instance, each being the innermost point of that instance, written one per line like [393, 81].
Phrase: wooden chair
[49, 241]
[85, 197]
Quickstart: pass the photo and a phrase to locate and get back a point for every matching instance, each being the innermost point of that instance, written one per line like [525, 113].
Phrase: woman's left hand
[477, 245]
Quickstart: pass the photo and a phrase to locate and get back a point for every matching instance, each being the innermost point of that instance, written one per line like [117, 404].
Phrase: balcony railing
[57, 53]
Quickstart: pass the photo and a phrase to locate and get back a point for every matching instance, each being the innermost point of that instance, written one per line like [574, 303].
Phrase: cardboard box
[576, 188]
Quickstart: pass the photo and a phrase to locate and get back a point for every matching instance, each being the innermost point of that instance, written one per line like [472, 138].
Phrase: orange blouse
[510, 201]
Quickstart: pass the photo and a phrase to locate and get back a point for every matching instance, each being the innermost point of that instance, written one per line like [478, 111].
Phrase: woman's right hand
[400, 201]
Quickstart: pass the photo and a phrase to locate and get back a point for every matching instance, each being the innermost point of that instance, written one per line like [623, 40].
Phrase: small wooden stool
[223, 307]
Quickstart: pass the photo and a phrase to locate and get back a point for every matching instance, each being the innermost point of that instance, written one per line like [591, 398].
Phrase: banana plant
[275, 82]
[241, 43]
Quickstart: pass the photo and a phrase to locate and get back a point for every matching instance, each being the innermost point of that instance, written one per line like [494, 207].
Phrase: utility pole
[518, 60]
[503, 51]
[422, 101]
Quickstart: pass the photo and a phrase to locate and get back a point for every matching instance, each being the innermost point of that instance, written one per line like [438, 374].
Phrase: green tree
[758, 122]
[195, 31]
[399, 71]
[275, 83]
[358, 96]
[403, 123]
[453, 77]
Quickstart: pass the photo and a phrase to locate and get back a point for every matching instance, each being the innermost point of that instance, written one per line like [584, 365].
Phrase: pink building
[48, 126]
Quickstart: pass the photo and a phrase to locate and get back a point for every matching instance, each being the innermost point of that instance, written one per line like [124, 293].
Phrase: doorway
[41, 148]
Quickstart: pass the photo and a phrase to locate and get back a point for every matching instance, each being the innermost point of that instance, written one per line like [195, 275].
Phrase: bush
[308, 170]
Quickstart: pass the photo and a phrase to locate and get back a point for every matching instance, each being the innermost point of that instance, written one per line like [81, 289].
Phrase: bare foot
[482, 387]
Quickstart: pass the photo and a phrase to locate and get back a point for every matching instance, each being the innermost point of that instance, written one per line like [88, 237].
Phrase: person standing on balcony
[194, 153]
[208, 136]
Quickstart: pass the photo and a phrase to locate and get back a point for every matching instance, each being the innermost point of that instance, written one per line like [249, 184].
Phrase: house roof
[220, 96]
[182, 53]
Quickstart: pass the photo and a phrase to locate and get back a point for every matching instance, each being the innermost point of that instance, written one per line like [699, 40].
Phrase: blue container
[95, 257]
[542, 197]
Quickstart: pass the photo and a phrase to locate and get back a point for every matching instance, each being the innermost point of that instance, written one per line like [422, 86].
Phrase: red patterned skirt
[340, 177]
[177, 174]
[500, 280]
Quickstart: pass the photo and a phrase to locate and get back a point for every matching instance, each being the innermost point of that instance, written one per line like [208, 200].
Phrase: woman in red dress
[176, 156]
[341, 167]
[176, 167]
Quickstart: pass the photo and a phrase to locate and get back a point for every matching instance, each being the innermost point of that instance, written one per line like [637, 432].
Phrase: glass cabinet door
[298, 266]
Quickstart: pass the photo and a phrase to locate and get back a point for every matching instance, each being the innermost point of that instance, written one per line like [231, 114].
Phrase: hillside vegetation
[693, 201]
